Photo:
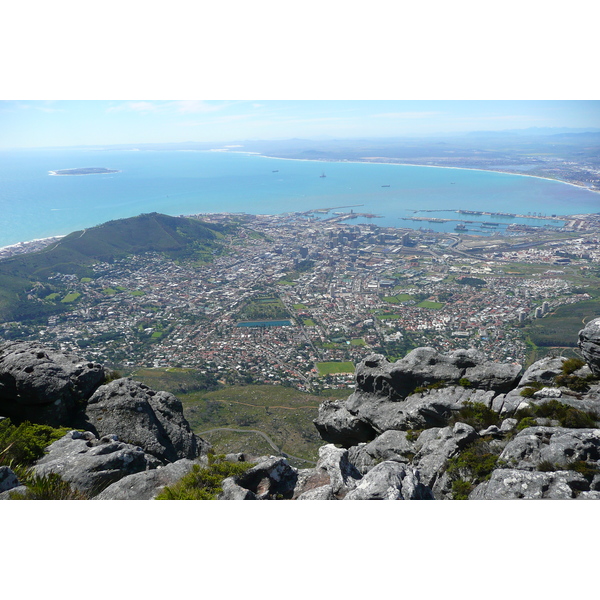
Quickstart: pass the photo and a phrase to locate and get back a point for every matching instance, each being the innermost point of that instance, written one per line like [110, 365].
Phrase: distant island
[84, 171]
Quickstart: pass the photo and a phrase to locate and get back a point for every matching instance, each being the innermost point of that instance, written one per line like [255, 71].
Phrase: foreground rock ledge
[399, 435]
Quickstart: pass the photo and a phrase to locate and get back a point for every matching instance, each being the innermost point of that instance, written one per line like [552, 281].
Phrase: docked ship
[461, 227]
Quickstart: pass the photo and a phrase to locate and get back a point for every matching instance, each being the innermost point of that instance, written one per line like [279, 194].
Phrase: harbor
[481, 225]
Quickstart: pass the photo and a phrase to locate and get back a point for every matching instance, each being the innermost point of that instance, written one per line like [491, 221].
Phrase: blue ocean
[35, 204]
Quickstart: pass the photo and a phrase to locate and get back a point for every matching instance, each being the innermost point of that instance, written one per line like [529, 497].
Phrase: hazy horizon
[72, 123]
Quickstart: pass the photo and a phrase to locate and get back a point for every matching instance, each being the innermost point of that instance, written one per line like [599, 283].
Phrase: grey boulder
[337, 426]
[272, 478]
[390, 480]
[146, 485]
[89, 464]
[434, 447]
[542, 371]
[142, 417]
[390, 445]
[589, 343]
[557, 446]
[42, 385]
[426, 366]
[513, 484]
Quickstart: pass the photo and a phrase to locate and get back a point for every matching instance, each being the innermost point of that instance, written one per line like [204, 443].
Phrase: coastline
[374, 162]
[28, 246]
[36, 244]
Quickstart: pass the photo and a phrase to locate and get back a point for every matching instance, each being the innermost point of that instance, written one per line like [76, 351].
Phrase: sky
[39, 123]
[132, 74]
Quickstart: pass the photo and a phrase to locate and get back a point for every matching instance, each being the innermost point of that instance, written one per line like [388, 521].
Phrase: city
[298, 300]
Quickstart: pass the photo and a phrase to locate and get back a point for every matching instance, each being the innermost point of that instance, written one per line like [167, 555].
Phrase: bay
[35, 204]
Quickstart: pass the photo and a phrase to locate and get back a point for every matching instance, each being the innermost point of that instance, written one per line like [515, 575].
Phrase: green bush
[25, 443]
[204, 483]
[477, 415]
[461, 489]
[527, 392]
[589, 471]
[570, 381]
[571, 365]
[546, 466]
[413, 434]
[438, 385]
[566, 415]
[531, 388]
[471, 467]
[573, 382]
[526, 422]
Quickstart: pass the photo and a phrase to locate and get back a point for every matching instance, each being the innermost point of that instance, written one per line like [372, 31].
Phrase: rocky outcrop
[333, 478]
[429, 426]
[512, 484]
[44, 385]
[90, 464]
[406, 394]
[142, 417]
[272, 478]
[411, 413]
[390, 480]
[129, 429]
[146, 485]
[435, 447]
[390, 445]
[589, 343]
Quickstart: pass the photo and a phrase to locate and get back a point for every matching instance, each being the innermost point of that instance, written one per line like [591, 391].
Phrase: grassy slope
[284, 414]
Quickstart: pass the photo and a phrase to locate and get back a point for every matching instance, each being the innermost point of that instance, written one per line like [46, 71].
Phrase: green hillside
[24, 279]
[235, 418]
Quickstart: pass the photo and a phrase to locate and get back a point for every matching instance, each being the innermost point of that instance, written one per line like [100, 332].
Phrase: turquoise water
[34, 204]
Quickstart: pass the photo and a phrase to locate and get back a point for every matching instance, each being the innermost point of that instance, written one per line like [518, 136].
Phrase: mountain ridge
[176, 237]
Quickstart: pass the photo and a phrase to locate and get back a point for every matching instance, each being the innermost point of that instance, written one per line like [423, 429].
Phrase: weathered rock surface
[90, 464]
[390, 480]
[272, 478]
[334, 478]
[390, 445]
[140, 416]
[45, 386]
[421, 390]
[426, 366]
[399, 432]
[8, 479]
[432, 408]
[543, 371]
[434, 447]
[146, 485]
[512, 484]
[337, 426]
[555, 445]
[589, 343]
[343, 475]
